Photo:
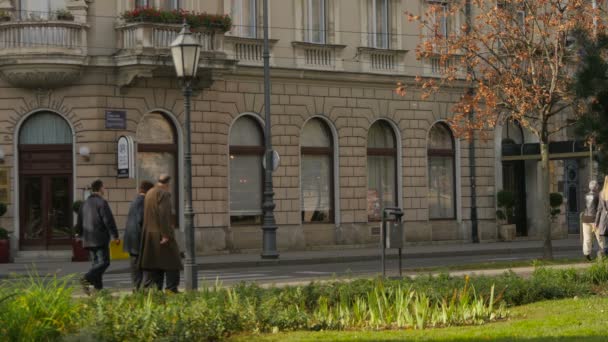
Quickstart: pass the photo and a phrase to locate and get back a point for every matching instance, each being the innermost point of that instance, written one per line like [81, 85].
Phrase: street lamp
[269, 226]
[186, 51]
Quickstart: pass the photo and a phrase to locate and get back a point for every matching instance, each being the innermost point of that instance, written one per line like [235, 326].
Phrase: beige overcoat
[158, 223]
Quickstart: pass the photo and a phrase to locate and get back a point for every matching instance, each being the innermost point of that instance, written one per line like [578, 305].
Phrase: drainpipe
[472, 174]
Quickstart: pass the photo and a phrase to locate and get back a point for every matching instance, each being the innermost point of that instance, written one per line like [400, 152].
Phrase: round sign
[276, 159]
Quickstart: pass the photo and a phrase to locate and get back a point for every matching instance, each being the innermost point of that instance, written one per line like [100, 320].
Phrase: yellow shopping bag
[116, 252]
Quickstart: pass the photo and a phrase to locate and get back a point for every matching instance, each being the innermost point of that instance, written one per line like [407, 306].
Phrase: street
[118, 277]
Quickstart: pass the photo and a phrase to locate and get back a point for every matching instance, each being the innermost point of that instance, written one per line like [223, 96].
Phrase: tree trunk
[546, 222]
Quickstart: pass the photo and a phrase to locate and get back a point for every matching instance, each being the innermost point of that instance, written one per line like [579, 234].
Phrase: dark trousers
[136, 272]
[157, 278]
[100, 257]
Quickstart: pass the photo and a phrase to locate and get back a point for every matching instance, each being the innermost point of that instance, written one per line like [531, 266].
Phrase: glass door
[33, 217]
[46, 214]
[59, 229]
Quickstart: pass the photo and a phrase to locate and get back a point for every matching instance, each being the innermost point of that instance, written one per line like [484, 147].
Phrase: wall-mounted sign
[276, 161]
[116, 119]
[126, 157]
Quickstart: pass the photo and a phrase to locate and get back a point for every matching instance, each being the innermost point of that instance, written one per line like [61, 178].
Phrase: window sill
[375, 60]
[247, 51]
[318, 56]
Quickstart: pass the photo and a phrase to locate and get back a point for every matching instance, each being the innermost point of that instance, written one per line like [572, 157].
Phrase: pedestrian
[132, 237]
[601, 217]
[95, 226]
[159, 257]
[588, 220]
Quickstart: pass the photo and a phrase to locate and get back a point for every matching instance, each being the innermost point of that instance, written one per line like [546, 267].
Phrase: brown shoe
[86, 286]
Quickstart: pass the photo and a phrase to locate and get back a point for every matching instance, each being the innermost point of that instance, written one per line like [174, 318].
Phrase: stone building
[348, 144]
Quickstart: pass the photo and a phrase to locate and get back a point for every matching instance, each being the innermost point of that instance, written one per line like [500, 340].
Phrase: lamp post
[185, 51]
[269, 226]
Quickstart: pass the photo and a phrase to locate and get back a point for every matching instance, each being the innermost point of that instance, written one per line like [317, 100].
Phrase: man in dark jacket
[95, 226]
[132, 237]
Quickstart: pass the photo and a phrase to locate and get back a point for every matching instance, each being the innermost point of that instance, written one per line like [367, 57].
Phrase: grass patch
[557, 320]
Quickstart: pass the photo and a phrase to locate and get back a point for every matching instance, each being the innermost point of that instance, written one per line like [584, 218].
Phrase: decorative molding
[41, 76]
[126, 75]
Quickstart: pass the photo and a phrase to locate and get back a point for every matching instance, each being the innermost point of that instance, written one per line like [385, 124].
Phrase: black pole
[269, 226]
[190, 275]
[472, 173]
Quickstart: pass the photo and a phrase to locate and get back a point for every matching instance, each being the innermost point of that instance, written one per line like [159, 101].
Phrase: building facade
[348, 144]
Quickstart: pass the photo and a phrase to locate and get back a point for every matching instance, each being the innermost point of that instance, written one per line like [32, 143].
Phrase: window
[244, 15]
[170, 4]
[441, 154]
[143, 3]
[40, 9]
[246, 152]
[440, 20]
[381, 169]
[379, 24]
[315, 21]
[317, 173]
[157, 152]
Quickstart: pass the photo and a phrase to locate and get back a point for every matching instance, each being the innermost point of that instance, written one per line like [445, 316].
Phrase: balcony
[42, 54]
[144, 47]
[248, 51]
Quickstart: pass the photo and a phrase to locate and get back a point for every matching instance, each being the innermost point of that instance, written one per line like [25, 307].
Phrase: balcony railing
[318, 56]
[36, 37]
[141, 36]
[385, 61]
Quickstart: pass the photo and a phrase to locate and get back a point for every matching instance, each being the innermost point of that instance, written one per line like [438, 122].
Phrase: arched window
[381, 169]
[317, 173]
[157, 151]
[442, 173]
[246, 152]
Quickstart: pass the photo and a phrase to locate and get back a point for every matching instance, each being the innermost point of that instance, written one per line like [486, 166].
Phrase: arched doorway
[45, 182]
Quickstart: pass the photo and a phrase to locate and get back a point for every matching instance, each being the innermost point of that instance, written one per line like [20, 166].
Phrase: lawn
[556, 320]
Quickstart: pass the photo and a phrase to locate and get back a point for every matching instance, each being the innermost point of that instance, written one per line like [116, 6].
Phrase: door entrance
[572, 193]
[46, 215]
[514, 180]
[45, 179]
[45, 182]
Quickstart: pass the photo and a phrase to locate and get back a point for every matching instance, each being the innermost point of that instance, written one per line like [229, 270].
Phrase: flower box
[194, 19]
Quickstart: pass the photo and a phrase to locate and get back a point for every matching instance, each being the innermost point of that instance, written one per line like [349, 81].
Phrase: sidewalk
[228, 261]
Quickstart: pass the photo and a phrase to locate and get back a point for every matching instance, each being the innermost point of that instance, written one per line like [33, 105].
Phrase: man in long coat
[159, 256]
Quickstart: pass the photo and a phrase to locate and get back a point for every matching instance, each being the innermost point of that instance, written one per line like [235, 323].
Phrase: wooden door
[45, 192]
[514, 180]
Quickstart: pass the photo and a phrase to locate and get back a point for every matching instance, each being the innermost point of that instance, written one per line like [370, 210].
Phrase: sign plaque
[116, 119]
[125, 157]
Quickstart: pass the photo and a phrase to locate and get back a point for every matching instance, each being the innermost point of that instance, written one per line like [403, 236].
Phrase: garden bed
[32, 309]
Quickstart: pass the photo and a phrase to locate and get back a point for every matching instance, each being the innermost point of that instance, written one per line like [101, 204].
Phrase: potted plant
[5, 246]
[555, 201]
[64, 15]
[506, 202]
[78, 252]
[5, 16]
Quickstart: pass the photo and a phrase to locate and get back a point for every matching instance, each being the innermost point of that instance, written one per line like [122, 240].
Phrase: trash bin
[394, 234]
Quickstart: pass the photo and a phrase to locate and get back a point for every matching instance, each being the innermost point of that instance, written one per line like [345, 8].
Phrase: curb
[357, 258]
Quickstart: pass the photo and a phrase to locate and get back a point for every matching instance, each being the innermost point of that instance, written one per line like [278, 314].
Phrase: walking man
[160, 255]
[95, 226]
[132, 237]
[589, 228]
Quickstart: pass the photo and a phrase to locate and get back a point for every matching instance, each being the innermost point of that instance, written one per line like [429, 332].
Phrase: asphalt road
[305, 273]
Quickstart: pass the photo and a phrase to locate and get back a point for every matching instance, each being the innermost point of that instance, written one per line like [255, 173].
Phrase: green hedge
[34, 309]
